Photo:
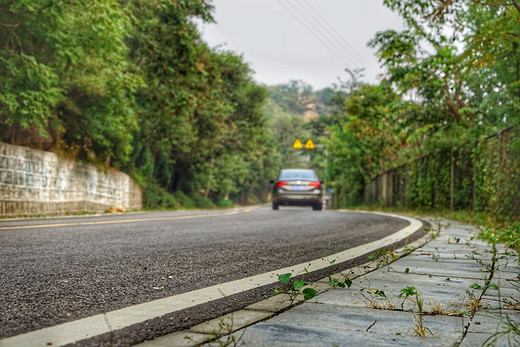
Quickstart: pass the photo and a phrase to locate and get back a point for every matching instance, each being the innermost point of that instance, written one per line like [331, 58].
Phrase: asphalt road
[57, 270]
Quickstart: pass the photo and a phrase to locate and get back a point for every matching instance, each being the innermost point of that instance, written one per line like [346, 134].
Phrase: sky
[309, 40]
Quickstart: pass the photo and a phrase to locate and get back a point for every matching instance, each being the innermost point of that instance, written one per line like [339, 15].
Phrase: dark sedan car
[297, 187]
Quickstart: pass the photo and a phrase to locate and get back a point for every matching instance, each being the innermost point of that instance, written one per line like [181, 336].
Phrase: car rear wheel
[317, 207]
[275, 206]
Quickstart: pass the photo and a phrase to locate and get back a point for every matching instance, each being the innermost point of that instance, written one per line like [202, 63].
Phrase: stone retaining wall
[34, 182]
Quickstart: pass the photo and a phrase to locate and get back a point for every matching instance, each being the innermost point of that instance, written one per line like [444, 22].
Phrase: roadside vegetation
[445, 113]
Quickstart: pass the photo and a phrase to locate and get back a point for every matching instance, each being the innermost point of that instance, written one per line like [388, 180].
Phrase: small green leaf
[371, 256]
[494, 286]
[348, 282]
[298, 285]
[284, 278]
[408, 291]
[309, 293]
[407, 270]
[477, 286]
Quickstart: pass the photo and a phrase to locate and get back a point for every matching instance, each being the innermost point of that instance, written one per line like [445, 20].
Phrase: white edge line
[84, 328]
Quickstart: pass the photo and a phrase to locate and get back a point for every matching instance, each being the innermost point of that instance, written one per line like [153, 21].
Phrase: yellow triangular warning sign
[309, 144]
[297, 144]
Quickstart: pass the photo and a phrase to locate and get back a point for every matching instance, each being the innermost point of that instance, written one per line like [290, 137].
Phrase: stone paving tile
[235, 320]
[437, 295]
[179, 339]
[492, 303]
[465, 268]
[502, 293]
[331, 325]
[455, 256]
[493, 321]
[482, 339]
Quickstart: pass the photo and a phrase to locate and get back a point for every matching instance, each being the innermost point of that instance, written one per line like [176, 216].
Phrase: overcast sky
[309, 40]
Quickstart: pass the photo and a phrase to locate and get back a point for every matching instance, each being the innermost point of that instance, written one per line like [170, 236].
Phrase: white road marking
[81, 329]
[121, 221]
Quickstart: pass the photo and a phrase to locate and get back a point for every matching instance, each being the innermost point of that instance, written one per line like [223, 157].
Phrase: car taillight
[279, 184]
[315, 184]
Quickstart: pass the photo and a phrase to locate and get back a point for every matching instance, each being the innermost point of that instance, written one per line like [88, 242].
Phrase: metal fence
[483, 176]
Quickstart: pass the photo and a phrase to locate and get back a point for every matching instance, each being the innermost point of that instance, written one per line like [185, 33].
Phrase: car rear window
[298, 175]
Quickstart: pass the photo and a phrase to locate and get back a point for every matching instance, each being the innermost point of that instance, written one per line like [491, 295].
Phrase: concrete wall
[40, 183]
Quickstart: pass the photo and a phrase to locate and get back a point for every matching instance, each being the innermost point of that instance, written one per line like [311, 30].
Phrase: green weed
[295, 287]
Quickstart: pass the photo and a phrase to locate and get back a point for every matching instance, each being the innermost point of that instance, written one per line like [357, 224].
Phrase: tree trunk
[208, 185]
[452, 187]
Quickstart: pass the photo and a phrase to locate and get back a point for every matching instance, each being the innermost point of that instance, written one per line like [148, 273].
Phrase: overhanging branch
[516, 4]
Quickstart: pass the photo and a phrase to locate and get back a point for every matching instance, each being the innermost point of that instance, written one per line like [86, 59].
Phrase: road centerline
[96, 325]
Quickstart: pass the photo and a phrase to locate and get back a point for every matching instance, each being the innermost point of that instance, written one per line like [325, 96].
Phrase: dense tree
[367, 142]
[452, 78]
[458, 58]
[64, 77]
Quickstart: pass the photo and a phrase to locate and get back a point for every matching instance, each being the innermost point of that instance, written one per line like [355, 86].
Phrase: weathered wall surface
[40, 183]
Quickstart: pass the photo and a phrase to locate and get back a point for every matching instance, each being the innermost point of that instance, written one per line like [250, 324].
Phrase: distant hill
[298, 98]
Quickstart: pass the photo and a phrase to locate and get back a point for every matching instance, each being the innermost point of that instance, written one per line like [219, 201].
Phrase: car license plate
[298, 187]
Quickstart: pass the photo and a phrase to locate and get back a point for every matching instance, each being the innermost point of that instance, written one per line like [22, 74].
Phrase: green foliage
[461, 58]
[365, 143]
[225, 203]
[30, 92]
[343, 282]
[292, 97]
[452, 82]
[408, 291]
[296, 287]
[200, 112]
[508, 234]
[184, 200]
[65, 75]
[203, 202]
[156, 198]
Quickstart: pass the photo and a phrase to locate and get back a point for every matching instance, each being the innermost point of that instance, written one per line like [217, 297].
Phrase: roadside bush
[225, 203]
[156, 198]
[508, 235]
[203, 202]
[184, 200]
